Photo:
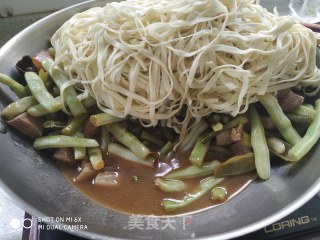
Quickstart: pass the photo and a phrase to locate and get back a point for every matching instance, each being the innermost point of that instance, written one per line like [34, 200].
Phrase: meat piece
[65, 155]
[283, 92]
[228, 136]
[236, 133]
[224, 137]
[290, 101]
[238, 148]
[89, 130]
[27, 125]
[87, 171]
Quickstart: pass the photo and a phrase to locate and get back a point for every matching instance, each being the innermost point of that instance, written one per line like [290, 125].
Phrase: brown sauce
[142, 196]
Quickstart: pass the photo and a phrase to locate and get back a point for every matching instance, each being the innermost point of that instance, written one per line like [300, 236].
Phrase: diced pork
[238, 149]
[290, 101]
[65, 155]
[224, 137]
[27, 125]
[89, 130]
[228, 136]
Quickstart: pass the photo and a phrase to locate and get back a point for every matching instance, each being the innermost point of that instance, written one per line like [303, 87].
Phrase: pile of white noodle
[149, 58]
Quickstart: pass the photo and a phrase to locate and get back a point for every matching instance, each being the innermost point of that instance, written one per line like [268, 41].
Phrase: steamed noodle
[151, 58]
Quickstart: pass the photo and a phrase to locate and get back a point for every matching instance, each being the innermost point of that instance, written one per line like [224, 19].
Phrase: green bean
[235, 165]
[19, 89]
[209, 136]
[166, 148]
[129, 140]
[170, 185]
[70, 94]
[43, 75]
[246, 139]
[219, 194]
[283, 156]
[281, 121]
[301, 148]
[128, 155]
[243, 119]
[193, 171]
[61, 141]
[28, 90]
[38, 110]
[205, 185]
[104, 119]
[40, 92]
[151, 138]
[54, 124]
[18, 107]
[199, 152]
[259, 145]
[95, 157]
[276, 148]
[276, 145]
[46, 80]
[299, 119]
[197, 130]
[305, 110]
[74, 124]
[104, 139]
[217, 127]
[79, 152]
[308, 105]
[55, 91]
[89, 102]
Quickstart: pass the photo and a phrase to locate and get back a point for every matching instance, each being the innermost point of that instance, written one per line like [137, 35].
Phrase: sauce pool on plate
[136, 192]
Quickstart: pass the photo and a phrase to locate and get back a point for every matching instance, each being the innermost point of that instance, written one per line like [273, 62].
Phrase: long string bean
[302, 147]
[205, 186]
[259, 145]
[193, 171]
[129, 140]
[40, 92]
[279, 118]
[62, 141]
[19, 89]
[18, 107]
[70, 94]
